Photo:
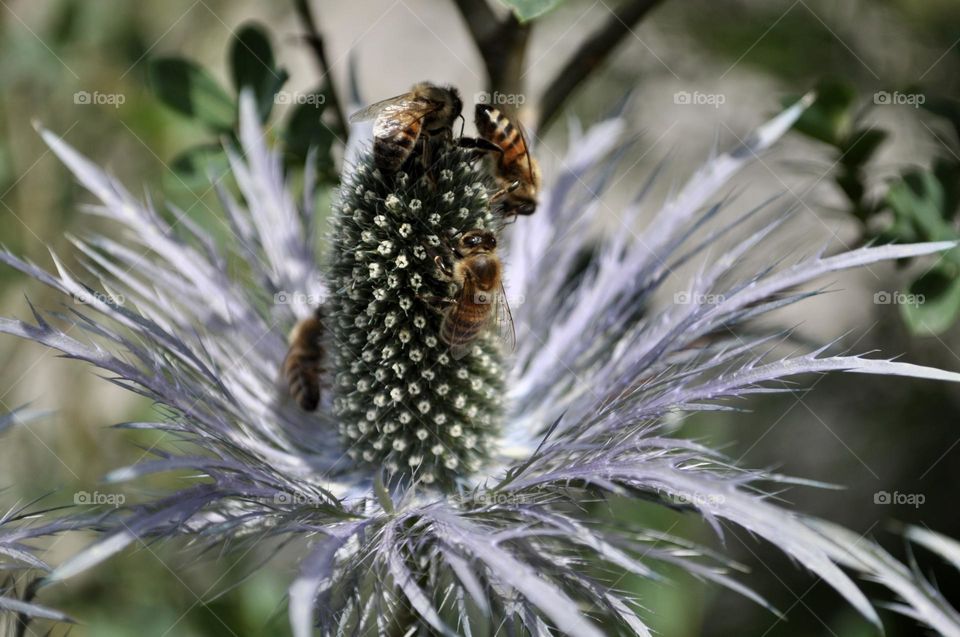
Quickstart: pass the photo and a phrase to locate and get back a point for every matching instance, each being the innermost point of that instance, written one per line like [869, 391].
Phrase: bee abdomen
[303, 366]
[462, 326]
[303, 378]
[390, 152]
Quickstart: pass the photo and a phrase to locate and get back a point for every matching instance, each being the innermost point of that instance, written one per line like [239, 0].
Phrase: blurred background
[876, 159]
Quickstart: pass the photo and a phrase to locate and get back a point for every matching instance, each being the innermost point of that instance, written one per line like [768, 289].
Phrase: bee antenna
[463, 123]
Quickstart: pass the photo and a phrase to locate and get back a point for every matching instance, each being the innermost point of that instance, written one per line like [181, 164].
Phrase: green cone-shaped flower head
[403, 400]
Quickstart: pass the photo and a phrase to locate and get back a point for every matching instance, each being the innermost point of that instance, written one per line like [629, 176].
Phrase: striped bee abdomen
[303, 366]
[389, 152]
[462, 323]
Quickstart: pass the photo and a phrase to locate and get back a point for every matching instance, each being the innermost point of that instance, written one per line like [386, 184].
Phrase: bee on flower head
[480, 301]
[515, 170]
[401, 121]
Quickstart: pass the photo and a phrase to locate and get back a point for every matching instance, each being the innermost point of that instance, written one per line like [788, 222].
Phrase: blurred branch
[591, 54]
[502, 44]
[315, 41]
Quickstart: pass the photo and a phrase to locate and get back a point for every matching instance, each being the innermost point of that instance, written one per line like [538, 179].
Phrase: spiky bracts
[403, 401]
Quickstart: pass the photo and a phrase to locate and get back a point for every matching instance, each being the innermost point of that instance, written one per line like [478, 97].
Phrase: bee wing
[526, 149]
[461, 350]
[505, 327]
[398, 117]
[371, 111]
[500, 315]
[458, 349]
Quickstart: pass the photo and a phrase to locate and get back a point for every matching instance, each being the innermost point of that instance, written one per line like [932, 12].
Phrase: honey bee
[303, 365]
[427, 110]
[514, 168]
[480, 299]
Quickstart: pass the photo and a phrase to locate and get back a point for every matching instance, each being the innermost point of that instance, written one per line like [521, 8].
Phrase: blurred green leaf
[861, 145]
[65, 22]
[947, 171]
[253, 65]
[305, 130]
[933, 303]
[529, 9]
[923, 209]
[946, 107]
[851, 183]
[831, 117]
[919, 201]
[198, 167]
[189, 89]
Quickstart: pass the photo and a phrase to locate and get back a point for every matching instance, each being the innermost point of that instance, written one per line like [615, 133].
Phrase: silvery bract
[602, 365]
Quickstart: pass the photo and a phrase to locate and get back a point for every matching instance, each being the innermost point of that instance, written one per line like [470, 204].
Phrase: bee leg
[425, 157]
[442, 266]
[479, 145]
[438, 304]
[506, 191]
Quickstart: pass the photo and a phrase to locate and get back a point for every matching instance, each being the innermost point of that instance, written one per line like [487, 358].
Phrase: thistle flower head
[576, 414]
[403, 400]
